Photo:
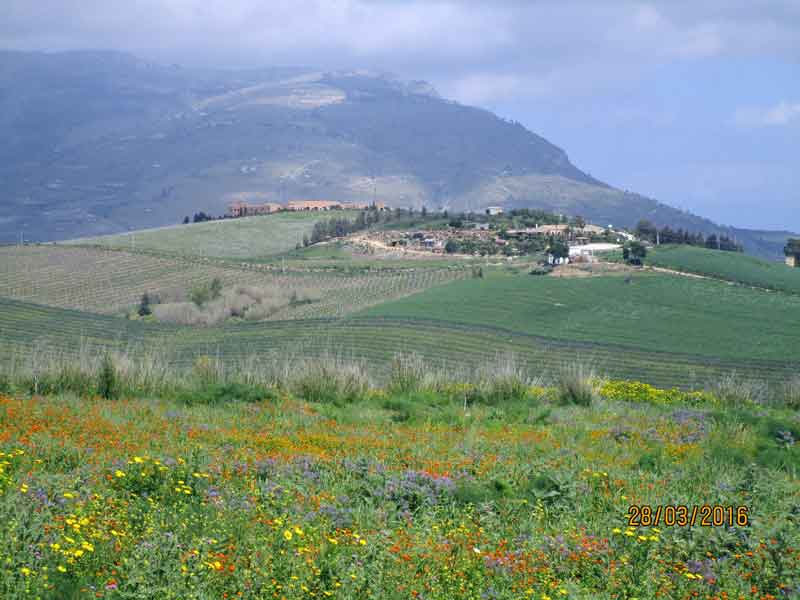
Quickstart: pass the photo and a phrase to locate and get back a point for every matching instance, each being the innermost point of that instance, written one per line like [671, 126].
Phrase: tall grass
[330, 378]
[577, 385]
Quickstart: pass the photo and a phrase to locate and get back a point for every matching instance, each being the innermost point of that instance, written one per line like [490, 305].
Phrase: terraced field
[105, 281]
[652, 312]
[248, 238]
[730, 266]
[29, 330]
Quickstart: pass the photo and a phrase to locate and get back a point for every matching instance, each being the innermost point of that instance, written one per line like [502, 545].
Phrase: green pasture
[246, 238]
[731, 266]
[30, 331]
[649, 312]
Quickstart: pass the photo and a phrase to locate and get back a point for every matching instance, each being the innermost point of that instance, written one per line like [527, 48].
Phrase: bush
[636, 391]
[5, 384]
[107, 381]
[224, 393]
[576, 386]
[144, 306]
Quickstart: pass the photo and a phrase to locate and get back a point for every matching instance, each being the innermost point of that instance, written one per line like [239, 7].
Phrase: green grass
[34, 333]
[652, 312]
[247, 238]
[731, 266]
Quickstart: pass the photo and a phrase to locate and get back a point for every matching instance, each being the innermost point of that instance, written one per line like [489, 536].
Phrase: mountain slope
[101, 142]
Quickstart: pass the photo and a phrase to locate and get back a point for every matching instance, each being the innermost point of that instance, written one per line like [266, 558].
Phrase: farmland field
[391, 497]
[247, 238]
[105, 281]
[730, 266]
[651, 312]
[33, 332]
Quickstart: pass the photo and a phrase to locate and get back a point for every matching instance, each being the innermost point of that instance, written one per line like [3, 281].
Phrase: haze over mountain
[100, 142]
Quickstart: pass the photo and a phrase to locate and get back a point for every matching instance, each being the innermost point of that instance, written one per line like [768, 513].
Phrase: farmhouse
[299, 205]
[243, 209]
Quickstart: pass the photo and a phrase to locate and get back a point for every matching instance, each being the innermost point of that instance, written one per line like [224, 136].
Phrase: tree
[107, 383]
[200, 295]
[557, 248]
[792, 247]
[144, 306]
[646, 230]
[579, 222]
[215, 289]
[634, 253]
[452, 246]
[185, 220]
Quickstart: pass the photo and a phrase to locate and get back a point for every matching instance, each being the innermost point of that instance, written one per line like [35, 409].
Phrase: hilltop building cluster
[242, 208]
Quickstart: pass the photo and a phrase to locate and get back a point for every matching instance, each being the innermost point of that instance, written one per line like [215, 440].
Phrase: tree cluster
[792, 247]
[342, 226]
[647, 231]
[198, 217]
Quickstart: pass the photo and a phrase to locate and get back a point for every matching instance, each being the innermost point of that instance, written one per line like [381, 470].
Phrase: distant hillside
[102, 142]
[730, 266]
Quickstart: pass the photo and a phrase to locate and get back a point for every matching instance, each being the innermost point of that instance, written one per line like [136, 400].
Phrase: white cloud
[781, 114]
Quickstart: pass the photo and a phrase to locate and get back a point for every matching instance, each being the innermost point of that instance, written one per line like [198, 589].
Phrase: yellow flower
[23, 488]
[119, 473]
[61, 568]
[362, 542]
[25, 571]
[333, 541]
[287, 535]
[55, 546]
[68, 495]
[616, 530]
[298, 531]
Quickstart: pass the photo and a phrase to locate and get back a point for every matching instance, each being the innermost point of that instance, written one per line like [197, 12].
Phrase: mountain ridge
[101, 142]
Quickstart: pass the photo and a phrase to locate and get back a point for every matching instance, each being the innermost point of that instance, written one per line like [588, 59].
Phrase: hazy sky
[693, 102]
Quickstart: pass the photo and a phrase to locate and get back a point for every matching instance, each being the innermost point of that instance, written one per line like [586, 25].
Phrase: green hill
[731, 266]
[652, 312]
[131, 145]
[38, 335]
[251, 237]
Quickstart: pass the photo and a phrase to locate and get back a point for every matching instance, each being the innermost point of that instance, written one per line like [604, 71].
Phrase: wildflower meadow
[395, 493]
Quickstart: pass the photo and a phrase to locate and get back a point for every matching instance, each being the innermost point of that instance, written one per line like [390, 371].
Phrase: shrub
[144, 306]
[223, 393]
[576, 386]
[5, 384]
[636, 391]
[107, 381]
